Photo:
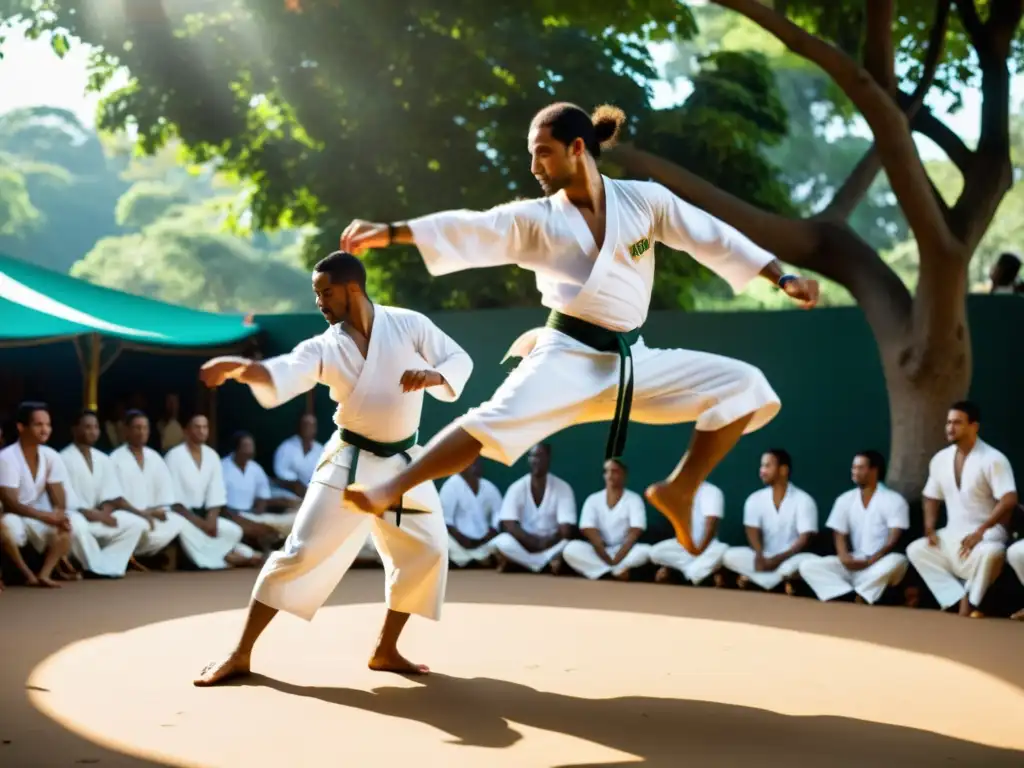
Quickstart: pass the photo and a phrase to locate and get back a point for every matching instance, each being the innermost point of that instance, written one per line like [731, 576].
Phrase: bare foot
[1018, 616]
[911, 597]
[965, 606]
[501, 563]
[719, 579]
[47, 582]
[218, 672]
[372, 501]
[624, 576]
[860, 600]
[393, 661]
[663, 575]
[742, 582]
[135, 565]
[557, 565]
[789, 589]
[677, 507]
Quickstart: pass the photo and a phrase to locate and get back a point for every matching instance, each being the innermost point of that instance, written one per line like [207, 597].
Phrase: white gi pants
[27, 530]
[695, 568]
[829, 578]
[740, 560]
[460, 557]
[208, 552]
[154, 540]
[328, 536]
[1015, 559]
[582, 558]
[562, 382]
[104, 550]
[948, 577]
[509, 546]
[282, 522]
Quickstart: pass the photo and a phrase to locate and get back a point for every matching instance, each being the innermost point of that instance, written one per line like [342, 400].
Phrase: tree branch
[927, 124]
[889, 125]
[849, 195]
[971, 22]
[878, 48]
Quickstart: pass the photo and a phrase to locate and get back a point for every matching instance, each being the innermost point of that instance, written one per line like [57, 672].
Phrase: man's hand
[969, 542]
[803, 290]
[416, 380]
[360, 236]
[156, 512]
[56, 519]
[933, 538]
[100, 516]
[218, 370]
[760, 562]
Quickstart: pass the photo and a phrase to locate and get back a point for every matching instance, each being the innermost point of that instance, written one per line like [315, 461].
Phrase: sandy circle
[514, 685]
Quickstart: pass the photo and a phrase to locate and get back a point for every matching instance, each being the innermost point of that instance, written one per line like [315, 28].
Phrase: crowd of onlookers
[83, 511]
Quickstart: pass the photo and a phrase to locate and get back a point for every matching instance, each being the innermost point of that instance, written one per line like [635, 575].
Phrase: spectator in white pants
[538, 516]
[612, 522]
[960, 562]
[867, 523]
[708, 509]
[472, 506]
[780, 521]
[1015, 559]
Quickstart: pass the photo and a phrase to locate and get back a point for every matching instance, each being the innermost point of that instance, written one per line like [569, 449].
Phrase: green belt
[603, 340]
[384, 451]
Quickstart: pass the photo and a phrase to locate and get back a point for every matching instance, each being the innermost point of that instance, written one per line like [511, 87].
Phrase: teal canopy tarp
[37, 305]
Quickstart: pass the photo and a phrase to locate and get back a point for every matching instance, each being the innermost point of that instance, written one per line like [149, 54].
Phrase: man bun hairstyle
[568, 122]
[608, 122]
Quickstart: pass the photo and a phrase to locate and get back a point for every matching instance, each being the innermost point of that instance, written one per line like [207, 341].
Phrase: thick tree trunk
[923, 379]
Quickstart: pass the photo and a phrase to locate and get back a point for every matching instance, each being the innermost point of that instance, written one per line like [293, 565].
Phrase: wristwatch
[786, 279]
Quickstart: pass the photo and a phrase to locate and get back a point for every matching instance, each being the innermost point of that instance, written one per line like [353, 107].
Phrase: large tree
[922, 337]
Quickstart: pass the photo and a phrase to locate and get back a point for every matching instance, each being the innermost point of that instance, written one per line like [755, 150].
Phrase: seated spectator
[708, 509]
[247, 491]
[959, 562]
[472, 508]
[199, 481]
[104, 536]
[1004, 275]
[296, 459]
[612, 522]
[169, 428]
[538, 516]
[780, 521]
[867, 523]
[32, 495]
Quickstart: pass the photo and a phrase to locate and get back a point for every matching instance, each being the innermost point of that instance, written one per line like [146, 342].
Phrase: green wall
[823, 364]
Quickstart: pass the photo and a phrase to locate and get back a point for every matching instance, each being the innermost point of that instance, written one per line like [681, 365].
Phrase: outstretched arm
[272, 381]
[451, 241]
[721, 248]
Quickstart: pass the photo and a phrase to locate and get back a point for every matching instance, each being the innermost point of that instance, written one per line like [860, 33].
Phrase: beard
[553, 185]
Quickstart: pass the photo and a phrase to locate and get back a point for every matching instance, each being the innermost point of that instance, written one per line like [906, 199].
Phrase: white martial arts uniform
[150, 486]
[709, 502]
[244, 486]
[780, 528]
[986, 477]
[867, 530]
[613, 525]
[1015, 559]
[560, 381]
[327, 535]
[101, 549]
[31, 491]
[292, 464]
[558, 507]
[200, 487]
[472, 515]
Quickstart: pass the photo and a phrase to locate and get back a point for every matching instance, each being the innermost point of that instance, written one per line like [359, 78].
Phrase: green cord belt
[384, 451]
[603, 340]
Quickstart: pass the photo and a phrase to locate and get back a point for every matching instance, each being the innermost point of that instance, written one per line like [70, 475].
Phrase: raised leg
[674, 496]
[451, 451]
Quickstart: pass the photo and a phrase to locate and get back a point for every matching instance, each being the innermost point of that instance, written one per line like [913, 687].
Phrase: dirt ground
[528, 671]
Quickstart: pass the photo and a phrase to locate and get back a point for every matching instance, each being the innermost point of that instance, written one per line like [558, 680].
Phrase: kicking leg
[674, 497]
[386, 657]
[450, 452]
[237, 663]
